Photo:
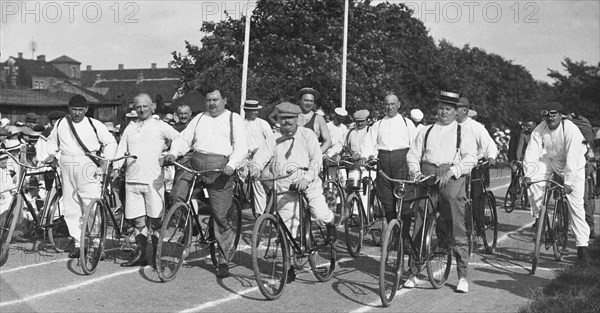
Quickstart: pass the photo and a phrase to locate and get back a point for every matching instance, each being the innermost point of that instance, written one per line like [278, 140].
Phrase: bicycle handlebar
[403, 181]
[290, 172]
[127, 155]
[197, 173]
[5, 151]
[546, 181]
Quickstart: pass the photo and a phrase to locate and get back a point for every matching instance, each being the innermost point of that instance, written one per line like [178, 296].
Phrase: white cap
[155, 116]
[341, 112]
[133, 113]
[320, 112]
[4, 121]
[416, 115]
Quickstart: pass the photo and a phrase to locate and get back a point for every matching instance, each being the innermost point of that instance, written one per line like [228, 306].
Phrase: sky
[104, 34]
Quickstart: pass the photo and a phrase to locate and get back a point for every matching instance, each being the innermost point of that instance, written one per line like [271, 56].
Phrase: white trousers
[287, 205]
[580, 228]
[81, 185]
[260, 197]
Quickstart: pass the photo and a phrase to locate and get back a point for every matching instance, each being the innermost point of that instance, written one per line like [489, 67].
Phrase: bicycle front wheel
[439, 256]
[539, 241]
[93, 234]
[58, 233]
[560, 233]
[270, 260]
[488, 222]
[322, 254]
[354, 225]
[8, 222]
[334, 196]
[390, 265]
[174, 241]
[379, 224]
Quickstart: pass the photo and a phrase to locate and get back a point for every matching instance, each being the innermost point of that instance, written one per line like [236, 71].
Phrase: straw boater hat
[252, 105]
[306, 90]
[448, 98]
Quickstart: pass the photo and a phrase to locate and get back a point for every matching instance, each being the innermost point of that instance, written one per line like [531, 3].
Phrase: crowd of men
[218, 139]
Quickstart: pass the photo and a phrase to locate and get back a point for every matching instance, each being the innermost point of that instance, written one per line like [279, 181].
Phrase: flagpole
[345, 54]
[246, 53]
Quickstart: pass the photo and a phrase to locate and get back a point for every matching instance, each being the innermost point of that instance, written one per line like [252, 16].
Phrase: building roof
[125, 91]
[88, 78]
[29, 97]
[39, 68]
[65, 59]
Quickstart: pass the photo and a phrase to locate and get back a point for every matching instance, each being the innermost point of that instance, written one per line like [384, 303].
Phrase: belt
[392, 151]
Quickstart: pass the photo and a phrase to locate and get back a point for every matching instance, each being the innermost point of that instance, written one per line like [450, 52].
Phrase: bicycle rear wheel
[234, 217]
[438, 254]
[93, 233]
[488, 222]
[270, 260]
[390, 265]
[58, 233]
[322, 255]
[334, 196]
[539, 236]
[10, 219]
[174, 241]
[354, 225]
[379, 224]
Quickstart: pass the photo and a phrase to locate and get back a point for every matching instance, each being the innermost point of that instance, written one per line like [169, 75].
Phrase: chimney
[98, 76]
[169, 65]
[153, 66]
[121, 66]
[88, 68]
[41, 57]
[140, 77]
[20, 55]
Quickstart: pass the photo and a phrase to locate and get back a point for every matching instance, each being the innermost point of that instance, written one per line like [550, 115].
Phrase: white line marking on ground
[31, 265]
[510, 266]
[68, 288]
[212, 304]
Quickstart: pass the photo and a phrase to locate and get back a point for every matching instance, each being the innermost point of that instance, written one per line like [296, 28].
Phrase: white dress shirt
[392, 133]
[70, 146]
[486, 146]
[257, 131]
[212, 135]
[338, 136]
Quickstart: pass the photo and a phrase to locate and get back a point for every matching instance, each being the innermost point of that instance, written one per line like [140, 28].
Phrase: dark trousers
[451, 200]
[182, 181]
[393, 164]
[588, 198]
[220, 195]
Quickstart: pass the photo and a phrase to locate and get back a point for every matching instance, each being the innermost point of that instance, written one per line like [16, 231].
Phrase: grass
[574, 289]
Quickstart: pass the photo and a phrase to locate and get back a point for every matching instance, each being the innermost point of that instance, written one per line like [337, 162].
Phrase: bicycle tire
[538, 238]
[174, 241]
[55, 221]
[270, 261]
[565, 224]
[488, 222]
[470, 227]
[8, 227]
[560, 233]
[335, 199]
[93, 234]
[322, 257]
[379, 225]
[354, 227]
[234, 216]
[391, 262]
[439, 257]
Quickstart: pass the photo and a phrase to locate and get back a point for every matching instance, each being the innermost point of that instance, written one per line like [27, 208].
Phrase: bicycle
[95, 224]
[272, 239]
[244, 192]
[182, 222]
[552, 231]
[48, 221]
[426, 248]
[515, 191]
[360, 220]
[481, 220]
[335, 195]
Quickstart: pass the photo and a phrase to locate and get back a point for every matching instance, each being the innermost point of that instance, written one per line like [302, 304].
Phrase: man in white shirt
[218, 140]
[445, 150]
[144, 138]
[556, 146]
[257, 130]
[391, 138]
[80, 179]
[337, 131]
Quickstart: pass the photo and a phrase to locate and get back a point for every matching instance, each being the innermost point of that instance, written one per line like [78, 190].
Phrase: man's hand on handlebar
[169, 159]
[492, 161]
[228, 170]
[568, 189]
[302, 184]
[526, 182]
[50, 159]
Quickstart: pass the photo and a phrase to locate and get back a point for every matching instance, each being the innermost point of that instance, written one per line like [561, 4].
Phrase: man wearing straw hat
[257, 131]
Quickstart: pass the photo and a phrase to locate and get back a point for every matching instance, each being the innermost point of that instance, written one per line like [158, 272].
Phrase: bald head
[144, 106]
[391, 103]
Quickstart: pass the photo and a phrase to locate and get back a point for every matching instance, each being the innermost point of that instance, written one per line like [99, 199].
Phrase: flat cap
[360, 115]
[416, 115]
[448, 97]
[78, 101]
[31, 118]
[463, 102]
[341, 112]
[472, 113]
[306, 90]
[288, 109]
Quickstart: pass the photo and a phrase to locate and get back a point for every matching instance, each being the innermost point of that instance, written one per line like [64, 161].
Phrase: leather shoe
[223, 271]
[291, 276]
